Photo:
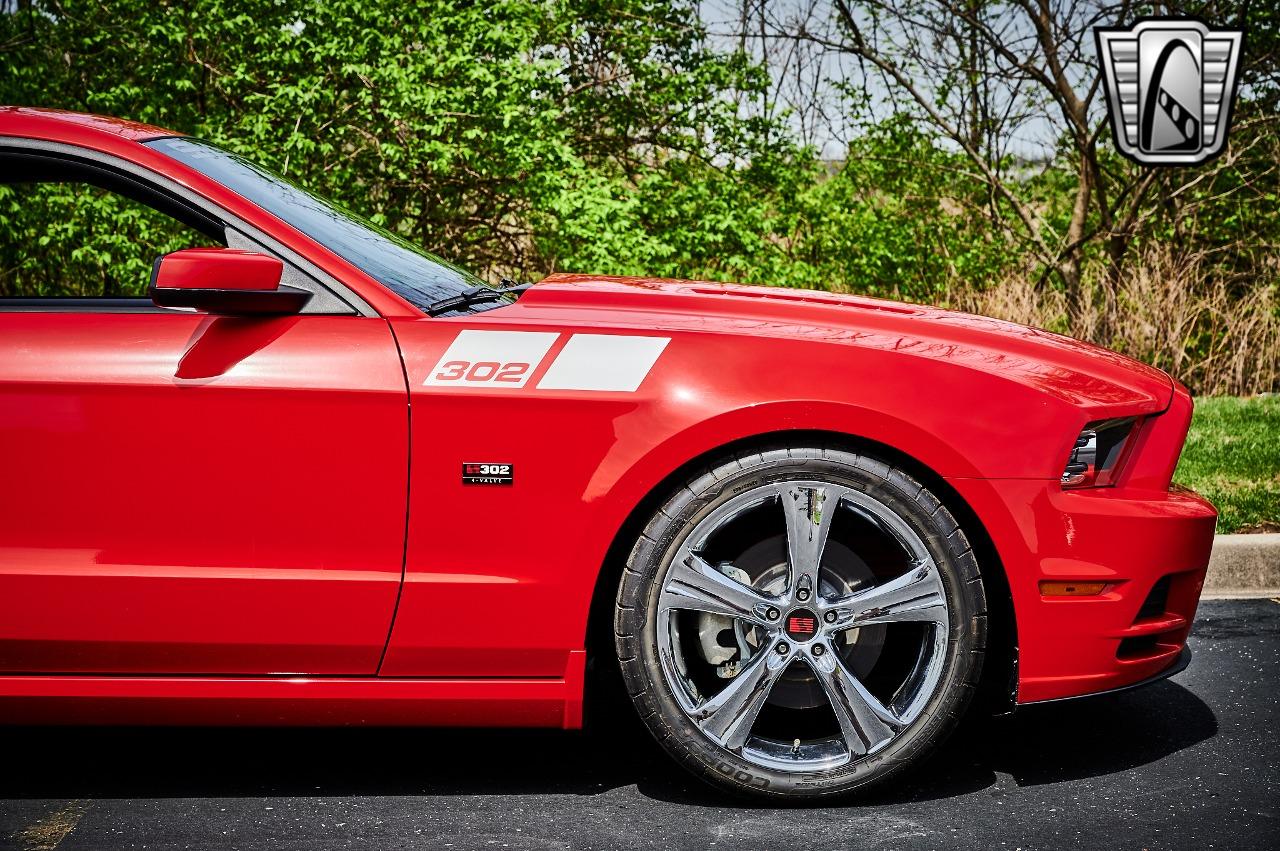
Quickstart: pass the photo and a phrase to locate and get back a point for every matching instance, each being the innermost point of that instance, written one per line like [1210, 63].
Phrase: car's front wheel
[800, 622]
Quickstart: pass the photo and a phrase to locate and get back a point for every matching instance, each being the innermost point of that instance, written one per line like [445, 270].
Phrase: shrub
[1170, 311]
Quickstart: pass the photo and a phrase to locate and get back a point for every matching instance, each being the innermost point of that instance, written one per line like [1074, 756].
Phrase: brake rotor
[725, 644]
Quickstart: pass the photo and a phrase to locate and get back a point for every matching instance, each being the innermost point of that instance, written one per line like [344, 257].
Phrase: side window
[73, 239]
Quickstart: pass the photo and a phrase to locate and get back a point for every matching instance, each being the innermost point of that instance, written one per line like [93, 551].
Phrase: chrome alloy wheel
[821, 608]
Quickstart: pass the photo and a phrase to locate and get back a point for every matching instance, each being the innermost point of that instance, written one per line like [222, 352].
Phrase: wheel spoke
[693, 583]
[864, 721]
[809, 511]
[915, 596]
[729, 715]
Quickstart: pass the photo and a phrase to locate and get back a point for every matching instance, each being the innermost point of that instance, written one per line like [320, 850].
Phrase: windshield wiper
[474, 295]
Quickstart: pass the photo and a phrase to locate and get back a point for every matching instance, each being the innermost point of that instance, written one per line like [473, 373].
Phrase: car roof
[74, 127]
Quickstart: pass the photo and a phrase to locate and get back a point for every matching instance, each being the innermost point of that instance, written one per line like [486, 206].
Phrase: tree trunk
[1072, 260]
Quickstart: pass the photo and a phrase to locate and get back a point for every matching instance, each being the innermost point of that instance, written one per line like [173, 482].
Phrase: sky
[807, 78]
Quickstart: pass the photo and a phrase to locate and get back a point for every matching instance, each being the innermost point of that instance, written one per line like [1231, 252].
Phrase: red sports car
[319, 476]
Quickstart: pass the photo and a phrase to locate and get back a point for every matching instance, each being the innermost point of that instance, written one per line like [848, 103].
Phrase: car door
[183, 493]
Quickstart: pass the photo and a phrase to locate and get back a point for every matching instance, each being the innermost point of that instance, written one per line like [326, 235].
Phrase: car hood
[1075, 371]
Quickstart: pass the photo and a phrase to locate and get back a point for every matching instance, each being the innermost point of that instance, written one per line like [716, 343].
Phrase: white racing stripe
[491, 359]
[506, 360]
[603, 362]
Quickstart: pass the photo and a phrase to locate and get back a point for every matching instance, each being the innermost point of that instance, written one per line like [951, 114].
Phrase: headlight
[1099, 451]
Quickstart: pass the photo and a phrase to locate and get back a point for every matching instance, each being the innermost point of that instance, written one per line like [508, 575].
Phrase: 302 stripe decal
[498, 360]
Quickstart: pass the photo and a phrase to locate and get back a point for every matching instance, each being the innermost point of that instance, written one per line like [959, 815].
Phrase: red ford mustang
[322, 477]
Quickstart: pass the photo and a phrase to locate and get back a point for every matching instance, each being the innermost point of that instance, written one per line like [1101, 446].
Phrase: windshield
[416, 275]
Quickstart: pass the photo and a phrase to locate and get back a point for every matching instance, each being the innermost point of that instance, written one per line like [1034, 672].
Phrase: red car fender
[623, 498]
[583, 461]
[841, 421]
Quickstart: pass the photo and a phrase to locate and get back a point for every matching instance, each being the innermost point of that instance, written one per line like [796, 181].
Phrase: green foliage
[517, 137]
[902, 217]
[1232, 457]
[898, 218]
[70, 240]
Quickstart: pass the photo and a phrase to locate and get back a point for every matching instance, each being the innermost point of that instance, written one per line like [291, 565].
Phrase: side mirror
[224, 280]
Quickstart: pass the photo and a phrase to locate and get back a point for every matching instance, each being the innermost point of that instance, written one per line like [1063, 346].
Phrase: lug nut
[829, 617]
[818, 650]
[772, 614]
[802, 594]
[784, 649]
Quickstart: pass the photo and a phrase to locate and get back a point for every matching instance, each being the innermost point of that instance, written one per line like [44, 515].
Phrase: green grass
[1233, 458]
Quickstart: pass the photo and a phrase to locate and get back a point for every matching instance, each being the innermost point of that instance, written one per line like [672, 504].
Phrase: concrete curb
[1243, 563]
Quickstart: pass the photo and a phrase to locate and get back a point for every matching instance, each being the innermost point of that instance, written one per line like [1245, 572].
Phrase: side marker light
[1071, 589]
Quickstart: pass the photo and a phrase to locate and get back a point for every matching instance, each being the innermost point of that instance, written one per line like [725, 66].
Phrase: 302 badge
[483, 473]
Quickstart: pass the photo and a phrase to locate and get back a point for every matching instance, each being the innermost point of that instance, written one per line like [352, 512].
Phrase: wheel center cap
[801, 625]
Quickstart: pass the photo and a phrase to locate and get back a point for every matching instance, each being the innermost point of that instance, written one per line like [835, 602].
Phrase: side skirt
[289, 701]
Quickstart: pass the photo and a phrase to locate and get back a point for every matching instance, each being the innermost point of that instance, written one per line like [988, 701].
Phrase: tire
[731, 635]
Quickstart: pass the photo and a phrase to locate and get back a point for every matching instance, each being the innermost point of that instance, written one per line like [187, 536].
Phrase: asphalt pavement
[1191, 762]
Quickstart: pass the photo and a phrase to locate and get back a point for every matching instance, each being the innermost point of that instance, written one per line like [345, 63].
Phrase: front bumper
[1148, 541]
[1150, 547]
[1179, 665]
